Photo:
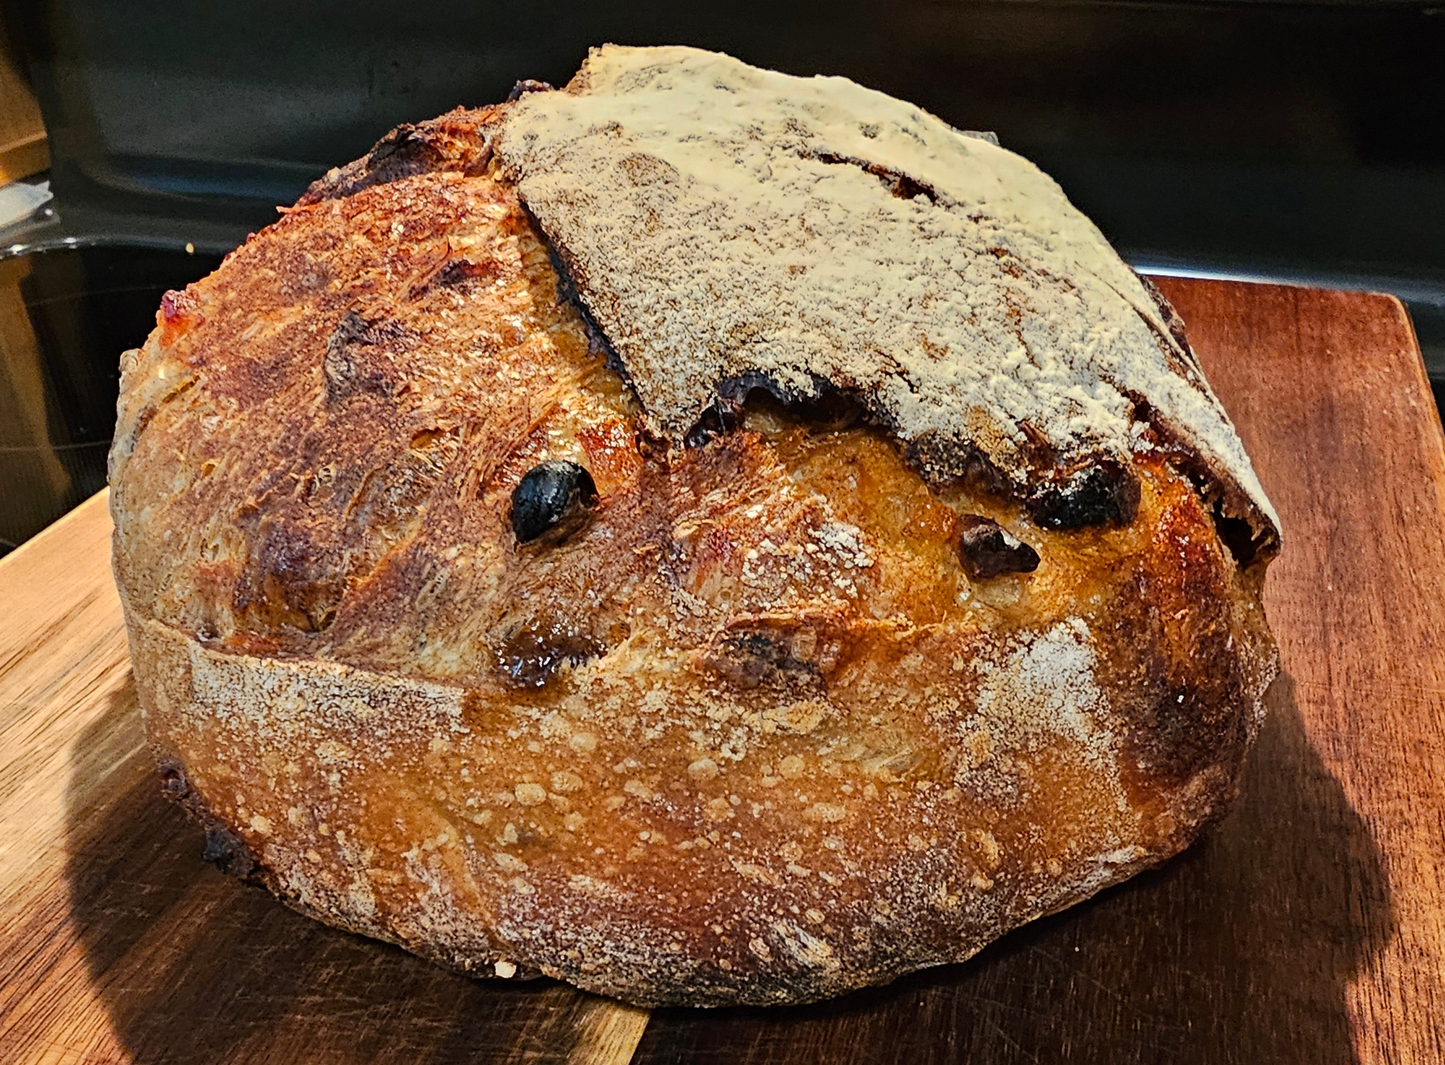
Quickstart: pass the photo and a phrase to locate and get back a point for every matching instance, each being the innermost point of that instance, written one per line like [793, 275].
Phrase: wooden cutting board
[1309, 927]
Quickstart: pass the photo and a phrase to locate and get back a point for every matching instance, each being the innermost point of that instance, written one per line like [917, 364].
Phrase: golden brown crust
[456, 141]
[751, 735]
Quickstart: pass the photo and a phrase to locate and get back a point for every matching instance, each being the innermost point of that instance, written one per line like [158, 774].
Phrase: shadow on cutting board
[1240, 951]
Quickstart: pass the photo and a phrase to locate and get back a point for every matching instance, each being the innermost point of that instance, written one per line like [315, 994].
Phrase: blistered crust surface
[725, 224]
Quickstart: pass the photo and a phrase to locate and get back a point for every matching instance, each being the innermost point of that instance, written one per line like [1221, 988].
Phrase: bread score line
[728, 226]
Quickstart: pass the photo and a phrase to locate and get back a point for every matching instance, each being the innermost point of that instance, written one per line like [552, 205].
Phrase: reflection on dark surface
[65, 317]
[1240, 951]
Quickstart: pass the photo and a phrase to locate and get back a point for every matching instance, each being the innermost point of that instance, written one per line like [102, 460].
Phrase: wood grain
[24, 147]
[1308, 927]
[35, 481]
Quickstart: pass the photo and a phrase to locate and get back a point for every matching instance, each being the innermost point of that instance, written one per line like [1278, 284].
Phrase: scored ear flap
[965, 322]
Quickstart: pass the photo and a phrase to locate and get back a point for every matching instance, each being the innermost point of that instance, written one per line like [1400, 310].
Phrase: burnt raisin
[526, 85]
[1093, 495]
[987, 549]
[552, 499]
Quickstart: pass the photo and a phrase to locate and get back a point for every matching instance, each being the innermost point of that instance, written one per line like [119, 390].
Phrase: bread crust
[751, 734]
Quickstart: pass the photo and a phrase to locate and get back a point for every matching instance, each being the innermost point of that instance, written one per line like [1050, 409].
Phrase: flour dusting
[726, 225]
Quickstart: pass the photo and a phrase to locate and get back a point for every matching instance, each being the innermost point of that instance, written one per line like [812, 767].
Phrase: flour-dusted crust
[726, 225]
[751, 732]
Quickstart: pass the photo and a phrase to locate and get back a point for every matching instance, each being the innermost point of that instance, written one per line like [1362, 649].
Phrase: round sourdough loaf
[701, 534]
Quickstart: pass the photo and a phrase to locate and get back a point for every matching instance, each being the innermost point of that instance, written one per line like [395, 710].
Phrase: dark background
[1289, 141]
[1289, 138]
